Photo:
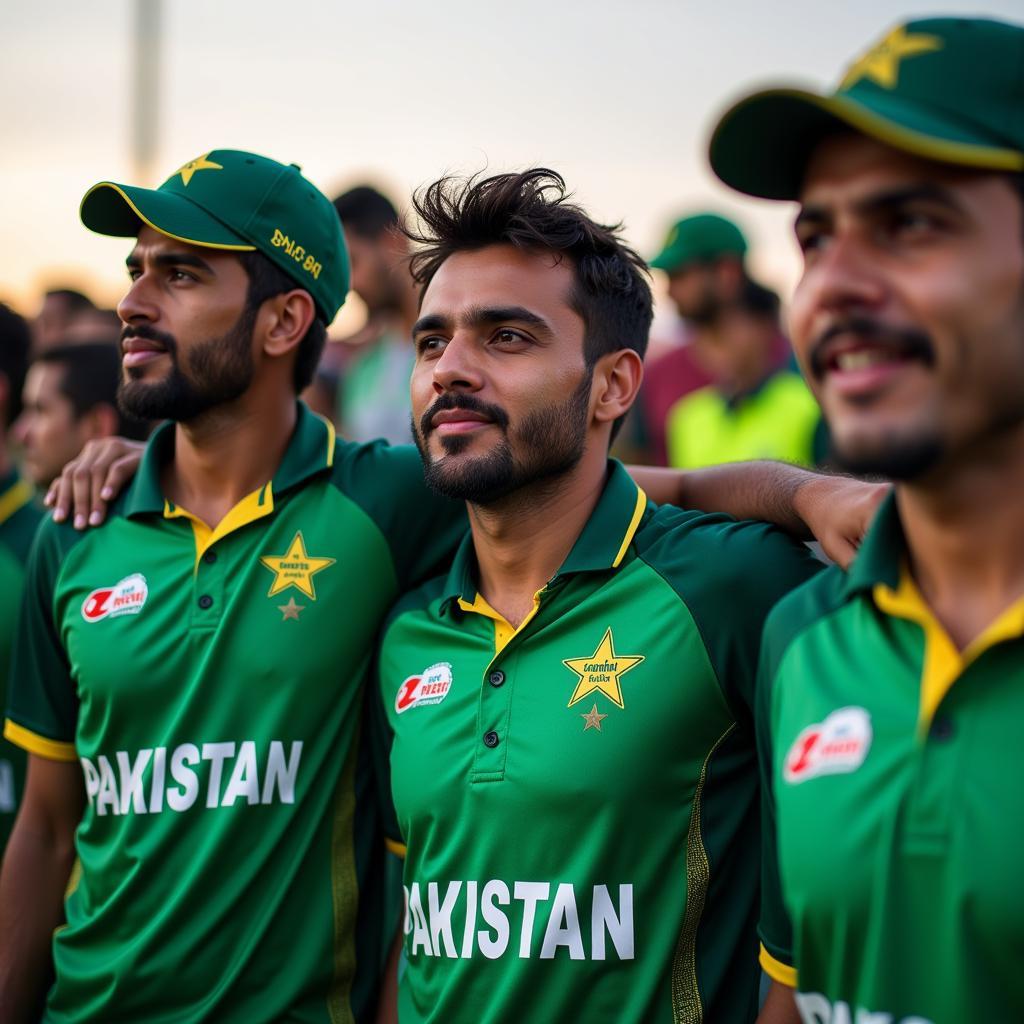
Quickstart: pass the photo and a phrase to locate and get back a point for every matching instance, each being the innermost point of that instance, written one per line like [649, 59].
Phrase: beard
[220, 370]
[894, 459]
[546, 445]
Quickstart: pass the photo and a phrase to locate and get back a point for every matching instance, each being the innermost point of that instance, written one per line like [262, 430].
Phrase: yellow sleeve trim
[776, 969]
[398, 849]
[53, 750]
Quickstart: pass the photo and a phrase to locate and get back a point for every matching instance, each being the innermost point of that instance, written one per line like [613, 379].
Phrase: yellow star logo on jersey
[882, 62]
[602, 671]
[201, 163]
[295, 568]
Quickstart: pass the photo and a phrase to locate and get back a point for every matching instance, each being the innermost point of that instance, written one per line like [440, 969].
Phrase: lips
[464, 418]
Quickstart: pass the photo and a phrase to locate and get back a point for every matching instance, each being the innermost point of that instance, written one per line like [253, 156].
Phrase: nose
[458, 367]
[138, 304]
[844, 277]
[22, 428]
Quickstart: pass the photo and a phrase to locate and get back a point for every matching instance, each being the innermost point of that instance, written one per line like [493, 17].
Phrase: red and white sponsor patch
[833, 747]
[124, 598]
[430, 687]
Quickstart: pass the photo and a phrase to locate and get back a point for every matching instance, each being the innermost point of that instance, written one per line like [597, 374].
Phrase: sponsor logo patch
[430, 687]
[124, 598]
[833, 747]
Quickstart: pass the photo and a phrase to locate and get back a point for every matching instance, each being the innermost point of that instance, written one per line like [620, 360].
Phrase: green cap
[947, 89]
[697, 239]
[229, 199]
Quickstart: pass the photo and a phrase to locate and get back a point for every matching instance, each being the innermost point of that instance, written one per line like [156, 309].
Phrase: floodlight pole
[146, 89]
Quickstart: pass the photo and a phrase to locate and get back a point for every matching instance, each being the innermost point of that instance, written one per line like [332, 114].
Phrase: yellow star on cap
[602, 671]
[201, 163]
[295, 568]
[882, 62]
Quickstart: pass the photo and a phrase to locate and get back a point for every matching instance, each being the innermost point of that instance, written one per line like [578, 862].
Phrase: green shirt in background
[578, 796]
[211, 683]
[19, 518]
[893, 770]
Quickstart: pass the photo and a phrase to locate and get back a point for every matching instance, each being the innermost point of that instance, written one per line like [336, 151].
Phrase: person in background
[753, 408]
[70, 397]
[363, 383]
[60, 308]
[19, 517]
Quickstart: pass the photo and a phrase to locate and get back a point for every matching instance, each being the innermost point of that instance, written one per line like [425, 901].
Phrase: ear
[284, 320]
[617, 378]
[100, 421]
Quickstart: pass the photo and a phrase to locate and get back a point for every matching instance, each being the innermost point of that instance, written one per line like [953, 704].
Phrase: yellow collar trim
[252, 507]
[16, 496]
[943, 662]
[638, 511]
[503, 629]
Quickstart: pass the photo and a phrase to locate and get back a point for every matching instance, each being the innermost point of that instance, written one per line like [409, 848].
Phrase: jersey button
[205, 602]
[210, 557]
[490, 739]
[496, 678]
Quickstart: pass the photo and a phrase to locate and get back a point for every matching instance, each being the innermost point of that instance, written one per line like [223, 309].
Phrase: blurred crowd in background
[720, 382]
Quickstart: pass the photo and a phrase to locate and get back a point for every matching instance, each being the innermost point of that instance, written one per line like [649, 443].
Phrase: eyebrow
[882, 202]
[173, 259]
[483, 315]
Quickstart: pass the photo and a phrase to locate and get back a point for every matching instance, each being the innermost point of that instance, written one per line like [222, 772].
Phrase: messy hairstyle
[532, 211]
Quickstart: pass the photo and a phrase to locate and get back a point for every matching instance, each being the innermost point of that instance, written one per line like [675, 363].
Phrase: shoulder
[800, 611]
[422, 603]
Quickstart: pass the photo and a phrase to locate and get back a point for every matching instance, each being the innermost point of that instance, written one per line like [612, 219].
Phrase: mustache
[907, 341]
[495, 413]
[150, 334]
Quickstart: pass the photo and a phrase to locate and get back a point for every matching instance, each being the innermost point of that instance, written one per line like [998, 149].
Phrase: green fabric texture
[230, 199]
[582, 844]
[778, 421]
[948, 89]
[230, 849]
[18, 522]
[698, 239]
[897, 853]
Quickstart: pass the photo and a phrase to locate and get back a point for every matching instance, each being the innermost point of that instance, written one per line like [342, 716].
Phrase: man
[753, 407]
[70, 397]
[704, 260]
[188, 680]
[60, 309]
[893, 753]
[18, 519]
[573, 762]
[370, 389]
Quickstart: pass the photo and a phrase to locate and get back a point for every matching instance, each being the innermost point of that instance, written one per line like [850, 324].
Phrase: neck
[229, 452]
[521, 541]
[962, 526]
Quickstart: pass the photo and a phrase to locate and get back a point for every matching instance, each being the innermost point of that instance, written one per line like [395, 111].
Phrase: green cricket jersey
[18, 520]
[893, 769]
[578, 796]
[209, 682]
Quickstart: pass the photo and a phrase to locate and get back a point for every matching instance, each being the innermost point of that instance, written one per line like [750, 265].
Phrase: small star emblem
[290, 610]
[882, 62]
[201, 163]
[593, 718]
[295, 568]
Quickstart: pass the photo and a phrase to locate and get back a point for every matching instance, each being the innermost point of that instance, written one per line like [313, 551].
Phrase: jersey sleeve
[774, 929]
[42, 710]
[422, 529]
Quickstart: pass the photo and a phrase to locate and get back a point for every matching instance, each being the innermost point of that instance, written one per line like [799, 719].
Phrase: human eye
[429, 345]
[509, 337]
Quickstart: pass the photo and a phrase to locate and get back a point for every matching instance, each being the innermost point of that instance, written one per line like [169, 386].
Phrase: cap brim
[762, 145]
[120, 210]
[663, 261]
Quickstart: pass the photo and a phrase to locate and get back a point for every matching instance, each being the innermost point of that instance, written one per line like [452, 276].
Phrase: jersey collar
[881, 553]
[310, 451]
[601, 546]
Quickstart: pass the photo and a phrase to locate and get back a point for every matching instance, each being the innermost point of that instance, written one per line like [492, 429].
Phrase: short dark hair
[531, 210]
[366, 212]
[75, 300]
[90, 376]
[266, 280]
[15, 340]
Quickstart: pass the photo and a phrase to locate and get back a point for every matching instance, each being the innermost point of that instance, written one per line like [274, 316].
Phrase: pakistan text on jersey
[816, 1009]
[155, 778]
[446, 926]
